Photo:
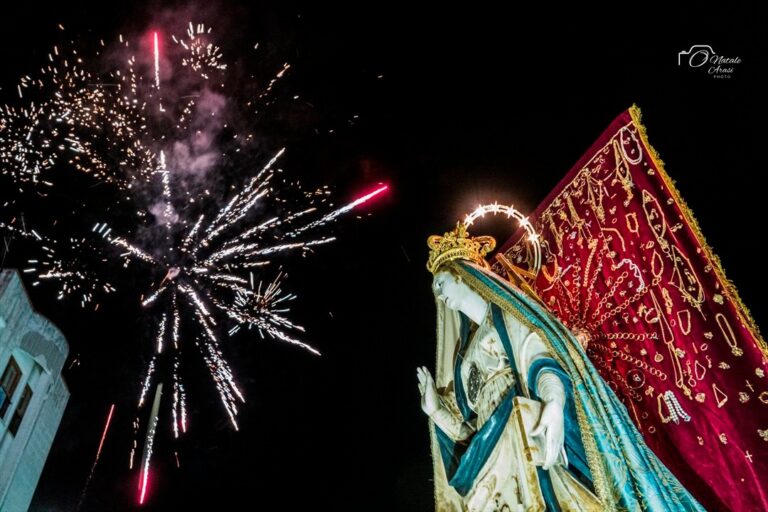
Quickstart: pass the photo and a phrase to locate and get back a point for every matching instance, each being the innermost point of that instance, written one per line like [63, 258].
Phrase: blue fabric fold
[458, 382]
[480, 448]
[463, 462]
[632, 477]
[462, 470]
[574, 446]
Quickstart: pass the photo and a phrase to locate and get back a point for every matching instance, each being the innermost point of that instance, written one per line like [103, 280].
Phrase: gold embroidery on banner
[623, 174]
[578, 223]
[684, 321]
[684, 279]
[634, 336]
[632, 224]
[664, 418]
[720, 397]
[593, 247]
[557, 234]
[699, 370]
[687, 282]
[618, 233]
[657, 265]
[728, 334]
[610, 293]
[591, 289]
[576, 220]
[691, 380]
[633, 160]
[667, 301]
[730, 289]
[669, 339]
[656, 220]
[555, 274]
[624, 356]
[595, 199]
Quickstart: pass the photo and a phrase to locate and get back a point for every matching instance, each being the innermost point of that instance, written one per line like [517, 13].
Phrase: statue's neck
[475, 307]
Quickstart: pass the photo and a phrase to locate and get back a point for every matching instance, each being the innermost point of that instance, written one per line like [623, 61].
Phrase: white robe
[502, 483]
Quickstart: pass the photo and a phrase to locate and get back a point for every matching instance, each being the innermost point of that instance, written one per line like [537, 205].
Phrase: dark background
[477, 103]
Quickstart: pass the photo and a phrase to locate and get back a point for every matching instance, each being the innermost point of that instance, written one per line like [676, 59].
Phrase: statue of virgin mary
[520, 420]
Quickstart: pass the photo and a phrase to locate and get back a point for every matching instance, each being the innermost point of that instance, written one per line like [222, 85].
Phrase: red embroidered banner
[625, 263]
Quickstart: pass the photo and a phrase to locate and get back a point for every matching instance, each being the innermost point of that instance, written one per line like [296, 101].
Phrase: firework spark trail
[166, 179]
[157, 72]
[191, 235]
[199, 304]
[104, 435]
[135, 442]
[161, 334]
[148, 445]
[157, 62]
[242, 202]
[220, 372]
[179, 409]
[96, 460]
[152, 298]
[147, 381]
[341, 211]
[272, 82]
[271, 223]
[132, 250]
[183, 408]
[176, 321]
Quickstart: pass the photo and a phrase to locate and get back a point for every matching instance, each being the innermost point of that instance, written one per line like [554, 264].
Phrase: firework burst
[68, 263]
[162, 147]
[210, 270]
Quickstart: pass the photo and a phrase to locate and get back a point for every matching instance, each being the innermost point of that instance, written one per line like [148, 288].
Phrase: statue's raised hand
[552, 427]
[430, 401]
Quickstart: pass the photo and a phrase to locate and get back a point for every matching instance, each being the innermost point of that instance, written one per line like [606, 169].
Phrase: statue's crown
[457, 244]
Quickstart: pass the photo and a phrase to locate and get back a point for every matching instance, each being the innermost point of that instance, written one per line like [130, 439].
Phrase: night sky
[474, 104]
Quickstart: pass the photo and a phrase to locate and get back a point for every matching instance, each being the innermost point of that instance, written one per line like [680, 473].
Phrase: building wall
[40, 351]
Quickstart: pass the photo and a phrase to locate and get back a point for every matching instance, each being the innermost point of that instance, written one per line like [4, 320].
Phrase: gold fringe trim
[729, 288]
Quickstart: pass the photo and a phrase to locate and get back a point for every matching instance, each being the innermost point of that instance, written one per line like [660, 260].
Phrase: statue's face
[453, 293]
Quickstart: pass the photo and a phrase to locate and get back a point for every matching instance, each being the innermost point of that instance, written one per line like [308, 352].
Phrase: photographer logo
[703, 57]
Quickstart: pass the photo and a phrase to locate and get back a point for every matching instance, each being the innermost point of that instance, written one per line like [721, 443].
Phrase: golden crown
[457, 244]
